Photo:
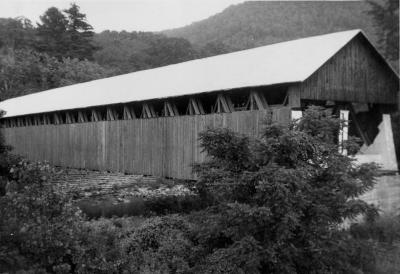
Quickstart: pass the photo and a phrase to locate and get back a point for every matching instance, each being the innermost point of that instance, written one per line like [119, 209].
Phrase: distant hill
[252, 24]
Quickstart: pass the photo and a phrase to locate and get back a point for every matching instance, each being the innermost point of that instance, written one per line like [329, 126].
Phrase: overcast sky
[143, 15]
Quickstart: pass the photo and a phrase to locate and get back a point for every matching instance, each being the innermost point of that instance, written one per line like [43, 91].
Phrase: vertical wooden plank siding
[354, 74]
[164, 146]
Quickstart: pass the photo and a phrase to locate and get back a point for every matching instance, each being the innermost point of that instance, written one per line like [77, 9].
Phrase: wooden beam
[18, 122]
[148, 111]
[112, 114]
[294, 97]
[169, 109]
[57, 118]
[28, 121]
[46, 119]
[223, 104]
[70, 118]
[256, 101]
[129, 113]
[95, 115]
[195, 107]
[13, 122]
[354, 120]
[82, 118]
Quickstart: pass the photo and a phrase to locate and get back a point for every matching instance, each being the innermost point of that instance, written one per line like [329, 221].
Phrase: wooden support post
[169, 109]
[129, 113]
[148, 111]
[28, 121]
[195, 107]
[112, 114]
[95, 115]
[223, 104]
[69, 118]
[294, 97]
[46, 119]
[354, 120]
[13, 122]
[57, 118]
[256, 101]
[82, 118]
[19, 122]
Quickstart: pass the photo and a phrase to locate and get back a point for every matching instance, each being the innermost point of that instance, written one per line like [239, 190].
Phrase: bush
[287, 193]
[160, 245]
[38, 225]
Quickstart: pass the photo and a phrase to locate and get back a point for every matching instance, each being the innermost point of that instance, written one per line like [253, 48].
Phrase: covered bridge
[147, 122]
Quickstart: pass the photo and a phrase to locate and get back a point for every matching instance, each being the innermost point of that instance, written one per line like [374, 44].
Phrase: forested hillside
[259, 23]
[62, 49]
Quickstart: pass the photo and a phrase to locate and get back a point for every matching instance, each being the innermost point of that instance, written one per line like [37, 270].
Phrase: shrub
[286, 193]
[38, 225]
[160, 245]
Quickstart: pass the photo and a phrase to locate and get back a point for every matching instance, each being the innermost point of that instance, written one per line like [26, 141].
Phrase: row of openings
[256, 99]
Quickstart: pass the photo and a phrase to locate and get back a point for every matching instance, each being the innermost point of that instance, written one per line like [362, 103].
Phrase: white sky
[130, 15]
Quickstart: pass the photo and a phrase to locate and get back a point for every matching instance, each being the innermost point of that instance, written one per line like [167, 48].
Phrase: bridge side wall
[165, 146]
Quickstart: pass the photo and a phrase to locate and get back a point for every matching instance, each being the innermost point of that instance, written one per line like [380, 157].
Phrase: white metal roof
[286, 62]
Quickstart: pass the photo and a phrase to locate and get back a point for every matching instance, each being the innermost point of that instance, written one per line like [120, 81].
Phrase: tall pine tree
[65, 35]
[80, 34]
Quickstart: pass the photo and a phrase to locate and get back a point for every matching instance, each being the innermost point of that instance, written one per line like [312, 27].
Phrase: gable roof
[287, 62]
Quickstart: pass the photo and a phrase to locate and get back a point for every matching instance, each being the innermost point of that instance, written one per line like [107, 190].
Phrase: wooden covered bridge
[147, 122]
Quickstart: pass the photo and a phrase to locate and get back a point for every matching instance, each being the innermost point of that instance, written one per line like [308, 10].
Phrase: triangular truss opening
[148, 111]
[256, 101]
[223, 104]
[195, 107]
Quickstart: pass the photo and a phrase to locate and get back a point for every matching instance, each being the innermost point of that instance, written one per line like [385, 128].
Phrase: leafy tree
[27, 71]
[386, 22]
[79, 34]
[65, 35]
[16, 33]
[280, 200]
[52, 33]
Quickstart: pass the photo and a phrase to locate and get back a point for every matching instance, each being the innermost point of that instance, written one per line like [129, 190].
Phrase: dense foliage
[25, 71]
[281, 199]
[51, 55]
[274, 204]
[66, 35]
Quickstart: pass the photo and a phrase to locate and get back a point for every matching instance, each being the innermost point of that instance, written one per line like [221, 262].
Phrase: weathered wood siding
[164, 146]
[355, 74]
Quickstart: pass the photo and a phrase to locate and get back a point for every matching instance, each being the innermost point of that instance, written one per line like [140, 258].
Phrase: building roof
[287, 62]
